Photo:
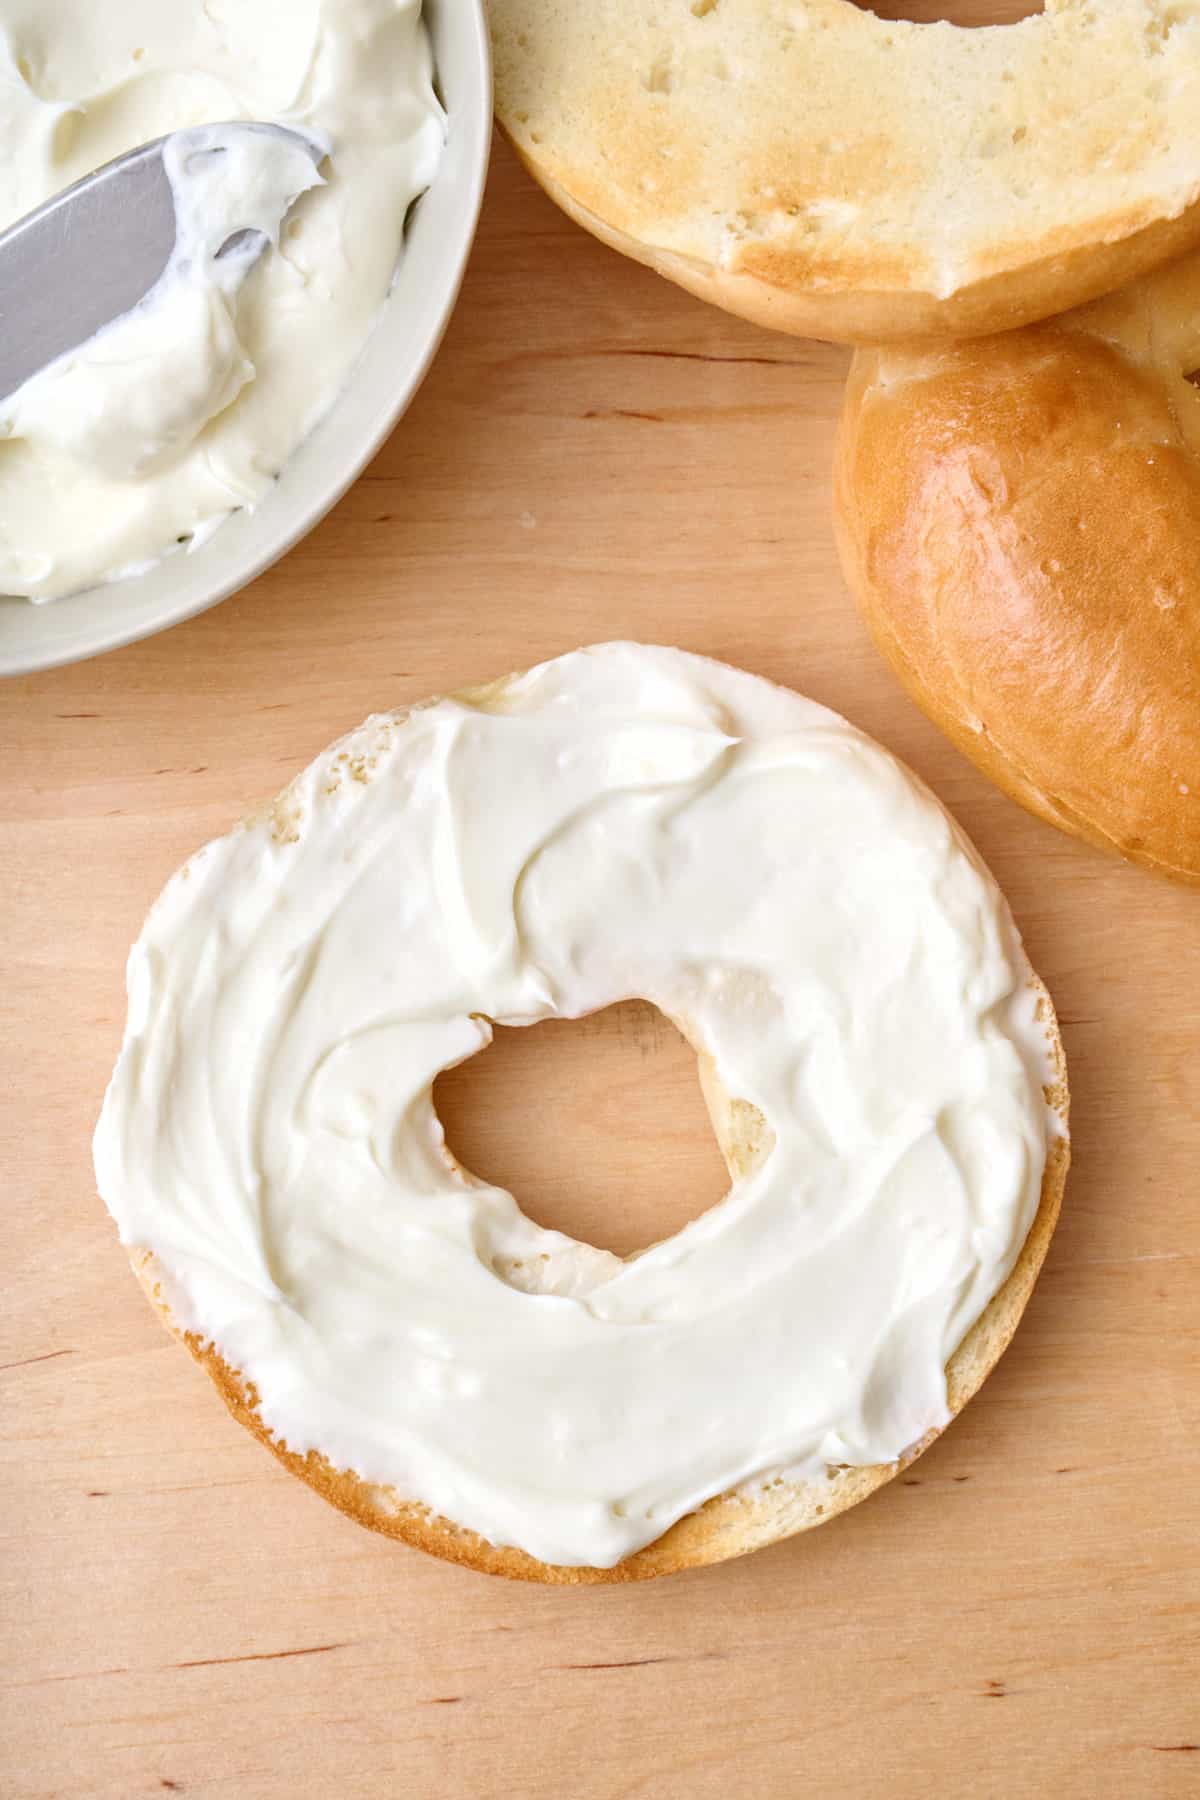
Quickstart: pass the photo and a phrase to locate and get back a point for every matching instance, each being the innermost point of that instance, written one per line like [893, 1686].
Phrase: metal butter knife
[88, 256]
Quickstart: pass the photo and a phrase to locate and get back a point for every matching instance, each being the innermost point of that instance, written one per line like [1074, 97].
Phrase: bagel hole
[969, 13]
[597, 1126]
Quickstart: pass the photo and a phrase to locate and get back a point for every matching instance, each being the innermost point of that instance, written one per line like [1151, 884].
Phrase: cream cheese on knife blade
[188, 407]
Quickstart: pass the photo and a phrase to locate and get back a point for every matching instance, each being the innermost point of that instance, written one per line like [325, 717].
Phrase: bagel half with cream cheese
[886, 1084]
[827, 172]
[1019, 518]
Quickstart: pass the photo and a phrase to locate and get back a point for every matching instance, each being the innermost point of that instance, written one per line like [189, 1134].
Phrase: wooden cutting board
[594, 455]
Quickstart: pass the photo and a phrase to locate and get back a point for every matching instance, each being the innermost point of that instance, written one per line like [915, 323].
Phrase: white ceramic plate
[385, 379]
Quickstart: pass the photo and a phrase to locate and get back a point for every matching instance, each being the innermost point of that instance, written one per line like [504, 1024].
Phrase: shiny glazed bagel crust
[1019, 519]
[826, 172]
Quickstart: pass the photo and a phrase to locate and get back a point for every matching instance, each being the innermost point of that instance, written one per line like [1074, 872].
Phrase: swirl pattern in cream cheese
[624, 821]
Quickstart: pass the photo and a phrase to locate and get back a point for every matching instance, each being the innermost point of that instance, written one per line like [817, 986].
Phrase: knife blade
[89, 255]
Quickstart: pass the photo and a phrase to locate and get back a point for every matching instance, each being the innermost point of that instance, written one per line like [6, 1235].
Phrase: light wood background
[594, 454]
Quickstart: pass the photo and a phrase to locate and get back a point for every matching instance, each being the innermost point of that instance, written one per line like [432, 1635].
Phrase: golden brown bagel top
[816, 168]
[1020, 520]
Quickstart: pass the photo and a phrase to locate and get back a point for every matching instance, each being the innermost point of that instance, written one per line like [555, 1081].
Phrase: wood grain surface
[593, 455]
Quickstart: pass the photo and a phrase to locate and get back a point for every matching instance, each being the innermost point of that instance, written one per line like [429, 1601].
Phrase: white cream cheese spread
[153, 432]
[624, 821]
